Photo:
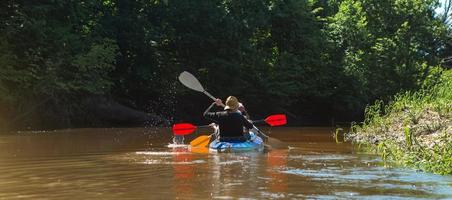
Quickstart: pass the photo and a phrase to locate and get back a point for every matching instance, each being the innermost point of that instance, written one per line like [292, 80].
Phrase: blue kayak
[254, 144]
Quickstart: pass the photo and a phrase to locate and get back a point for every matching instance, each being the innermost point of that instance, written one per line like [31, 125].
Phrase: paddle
[201, 141]
[185, 128]
[192, 82]
[274, 120]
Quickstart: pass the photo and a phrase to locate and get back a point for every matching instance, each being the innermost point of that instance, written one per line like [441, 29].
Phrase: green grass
[415, 129]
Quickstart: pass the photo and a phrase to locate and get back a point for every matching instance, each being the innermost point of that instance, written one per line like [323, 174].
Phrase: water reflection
[137, 164]
[183, 171]
[232, 172]
[277, 161]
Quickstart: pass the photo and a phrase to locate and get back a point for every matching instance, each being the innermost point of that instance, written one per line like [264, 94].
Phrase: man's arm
[208, 109]
[215, 116]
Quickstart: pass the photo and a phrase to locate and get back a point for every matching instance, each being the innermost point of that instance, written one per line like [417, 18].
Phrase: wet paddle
[192, 82]
[185, 128]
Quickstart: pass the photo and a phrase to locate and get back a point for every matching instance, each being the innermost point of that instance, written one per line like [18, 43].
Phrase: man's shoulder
[228, 113]
[221, 113]
[236, 114]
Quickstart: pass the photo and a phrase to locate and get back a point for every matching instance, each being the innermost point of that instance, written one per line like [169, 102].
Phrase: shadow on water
[137, 164]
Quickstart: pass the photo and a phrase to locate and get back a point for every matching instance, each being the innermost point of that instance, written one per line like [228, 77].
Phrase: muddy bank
[108, 111]
[428, 129]
[90, 111]
[425, 144]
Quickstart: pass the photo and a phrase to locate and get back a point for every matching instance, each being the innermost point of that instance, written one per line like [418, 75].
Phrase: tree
[387, 46]
[51, 56]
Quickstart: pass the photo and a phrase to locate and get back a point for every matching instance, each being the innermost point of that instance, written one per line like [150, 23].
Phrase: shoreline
[414, 130]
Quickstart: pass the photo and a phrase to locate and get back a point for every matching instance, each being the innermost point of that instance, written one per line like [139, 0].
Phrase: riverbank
[414, 130]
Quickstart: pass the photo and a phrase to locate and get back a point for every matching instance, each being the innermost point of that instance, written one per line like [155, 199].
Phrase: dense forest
[67, 63]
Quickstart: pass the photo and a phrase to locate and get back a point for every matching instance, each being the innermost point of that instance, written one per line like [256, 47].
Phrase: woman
[230, 121]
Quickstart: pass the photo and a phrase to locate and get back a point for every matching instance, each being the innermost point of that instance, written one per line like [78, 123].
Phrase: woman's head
[243, 110]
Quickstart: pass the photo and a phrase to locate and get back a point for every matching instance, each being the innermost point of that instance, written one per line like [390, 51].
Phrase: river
[136, 163]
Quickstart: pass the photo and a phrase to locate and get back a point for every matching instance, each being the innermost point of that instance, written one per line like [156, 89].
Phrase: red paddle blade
[183, 129]
[276, 120]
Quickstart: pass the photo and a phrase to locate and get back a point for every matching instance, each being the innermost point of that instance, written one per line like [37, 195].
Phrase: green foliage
[337, 134]
[388, 46]
[414, 129]
[407, 136]
[48, 54]
[316, 58]
[94, 67]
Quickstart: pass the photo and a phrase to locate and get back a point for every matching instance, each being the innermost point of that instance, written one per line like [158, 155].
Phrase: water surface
[136, 163]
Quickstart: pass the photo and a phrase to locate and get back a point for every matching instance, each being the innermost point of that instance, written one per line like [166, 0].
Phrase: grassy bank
[414, 130]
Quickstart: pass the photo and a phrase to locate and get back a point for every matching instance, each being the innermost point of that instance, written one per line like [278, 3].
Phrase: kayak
[254, 144]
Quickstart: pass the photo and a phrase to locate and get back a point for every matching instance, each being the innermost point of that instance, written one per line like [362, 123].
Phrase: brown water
[137, 164]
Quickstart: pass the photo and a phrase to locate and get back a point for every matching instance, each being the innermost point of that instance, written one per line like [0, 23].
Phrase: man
[230, 121]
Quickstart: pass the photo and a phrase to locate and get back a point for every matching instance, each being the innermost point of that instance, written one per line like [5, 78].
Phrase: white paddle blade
[190, 81]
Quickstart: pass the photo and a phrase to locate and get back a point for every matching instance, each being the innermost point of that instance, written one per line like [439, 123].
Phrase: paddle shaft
[212, 97]
[203, 126]
[209, 95]
[258, 121]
